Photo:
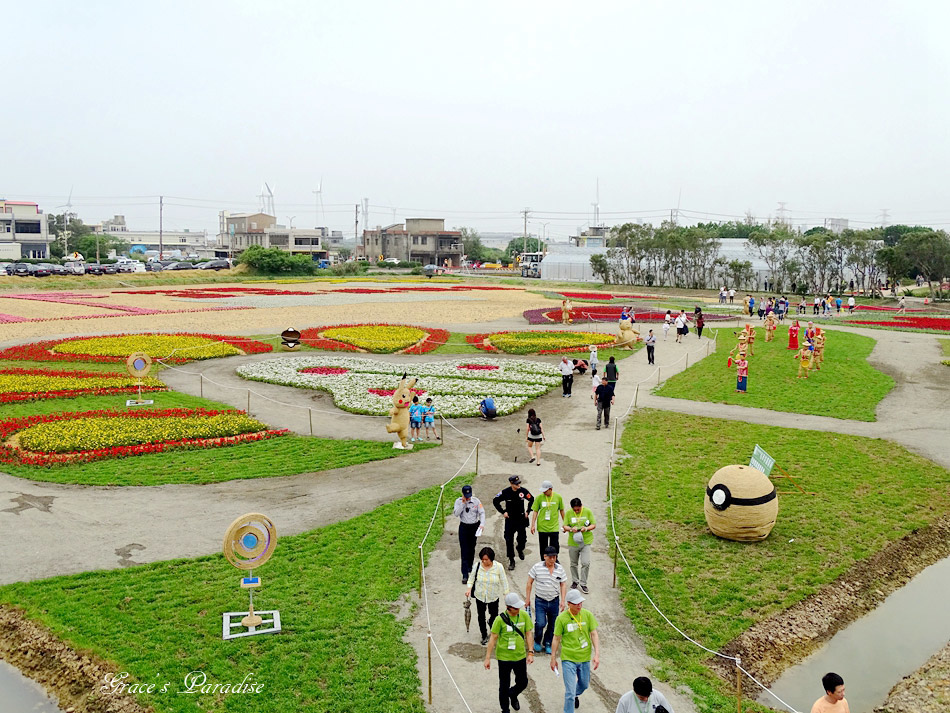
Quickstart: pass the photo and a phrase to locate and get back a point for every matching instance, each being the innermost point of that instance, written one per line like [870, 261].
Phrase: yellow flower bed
[86, 434]
[155, 345]
[40, 383]
[379, 339]
[541, 342]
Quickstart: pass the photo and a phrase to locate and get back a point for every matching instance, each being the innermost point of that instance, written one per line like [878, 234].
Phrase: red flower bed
[10, 454]
[478, 367]
[478, 341]
[874, 308]
[213, 292]
[390, 392]
[588, 295]
[939, 324]
[323, 370]
[435, 339]
[42, 351]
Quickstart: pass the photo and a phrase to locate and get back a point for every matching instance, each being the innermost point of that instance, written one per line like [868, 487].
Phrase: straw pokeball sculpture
[741, 504]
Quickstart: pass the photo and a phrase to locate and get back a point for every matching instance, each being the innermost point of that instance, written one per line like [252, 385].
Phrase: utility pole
[525, 240]
[356, 229]
[161, 218]
[884, 216]
[782, 210]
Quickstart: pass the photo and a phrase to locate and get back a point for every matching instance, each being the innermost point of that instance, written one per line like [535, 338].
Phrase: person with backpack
[514, 636]
[536, 435]
[612, 373]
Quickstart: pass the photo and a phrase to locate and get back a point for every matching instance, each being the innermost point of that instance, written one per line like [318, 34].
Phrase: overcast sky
[474, 111]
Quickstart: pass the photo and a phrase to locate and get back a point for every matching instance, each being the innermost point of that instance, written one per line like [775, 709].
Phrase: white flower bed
[455, 392]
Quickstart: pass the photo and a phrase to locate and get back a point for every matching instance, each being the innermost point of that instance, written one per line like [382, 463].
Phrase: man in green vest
[513, 634]
[546, 515]
[576, 639]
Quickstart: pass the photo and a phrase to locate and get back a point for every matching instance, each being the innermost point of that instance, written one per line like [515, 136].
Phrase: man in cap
[517, 501]
[643, 699]
[576, 639]
[471, 515]
[548, 580]
[579, 523]
[512, 633]
[546, 515]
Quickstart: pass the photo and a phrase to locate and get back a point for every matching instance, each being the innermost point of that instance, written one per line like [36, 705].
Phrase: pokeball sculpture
[289, 339]
[248, 543]
[741, 504]
[138, 365]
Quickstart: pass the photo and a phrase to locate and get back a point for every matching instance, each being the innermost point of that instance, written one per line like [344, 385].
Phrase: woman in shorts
[415, 419]
[535, 436]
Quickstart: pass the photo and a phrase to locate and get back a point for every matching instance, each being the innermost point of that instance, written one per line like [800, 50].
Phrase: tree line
[816, 260]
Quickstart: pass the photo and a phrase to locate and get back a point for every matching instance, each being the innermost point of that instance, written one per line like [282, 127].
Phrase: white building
[24, 232]
[182, 242]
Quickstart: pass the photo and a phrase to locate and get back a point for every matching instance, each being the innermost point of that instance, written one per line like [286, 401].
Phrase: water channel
[876, 651]
[20, 694]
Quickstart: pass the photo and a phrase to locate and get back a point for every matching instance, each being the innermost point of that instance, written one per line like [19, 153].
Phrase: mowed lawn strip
[341, 648]
[870, 493]
[283, 455]
[847, 386]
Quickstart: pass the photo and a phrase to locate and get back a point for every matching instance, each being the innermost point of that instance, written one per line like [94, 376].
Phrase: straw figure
[399, 413]
[742, 375]
[740, 349]
[771, 324]
[741, 504]
[628, 336]
[746, 308]
[566, 307]
[750, 335]
[793, 335]
[805, 355]
[819, 350]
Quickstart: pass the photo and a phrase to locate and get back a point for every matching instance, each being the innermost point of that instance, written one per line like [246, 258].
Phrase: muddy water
[876, 651]
[19, 694]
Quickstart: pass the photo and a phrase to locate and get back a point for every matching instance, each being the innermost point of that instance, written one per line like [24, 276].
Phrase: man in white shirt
[643, 699]
[679, 323]
[548, 580]
[567, 377]
[851, 304]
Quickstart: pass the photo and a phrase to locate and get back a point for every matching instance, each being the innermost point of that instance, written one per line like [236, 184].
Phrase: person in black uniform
[517, 502]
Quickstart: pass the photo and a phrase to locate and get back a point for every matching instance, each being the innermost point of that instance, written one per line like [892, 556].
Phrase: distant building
[24, 232]
[238, 231]
[594, 237]
[183, 242]
[836, 225]
[424, 240]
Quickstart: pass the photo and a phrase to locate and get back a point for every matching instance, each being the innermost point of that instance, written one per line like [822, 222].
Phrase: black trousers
[505, 669]
[699, 332]
[547, 539]
[480, 607]
[567, 380]
[467, 546]
[650, 350]
[515, 526]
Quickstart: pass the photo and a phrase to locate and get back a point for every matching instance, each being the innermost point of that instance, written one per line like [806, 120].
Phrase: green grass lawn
[456, 344]
[285, 455]
[846, 387]
[945, 346]
[341, 648]
[871, 492]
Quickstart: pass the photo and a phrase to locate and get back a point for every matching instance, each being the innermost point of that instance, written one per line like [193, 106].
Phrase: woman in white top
[667, 319]
[488, 583]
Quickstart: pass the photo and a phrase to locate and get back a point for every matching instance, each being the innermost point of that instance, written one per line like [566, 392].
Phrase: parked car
[93, 268]
[109, 269]
[44, 269]
[7, 267]
[215, 265]
[23, 269]
[392, 260]
[75, 268]
[60, 270]
[125, 266]
[154, 266]
[180, 266]
[430, 270]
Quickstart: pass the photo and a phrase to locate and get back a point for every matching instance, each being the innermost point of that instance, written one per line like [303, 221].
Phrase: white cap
[546, 485]
[514, 601]
[575, 597]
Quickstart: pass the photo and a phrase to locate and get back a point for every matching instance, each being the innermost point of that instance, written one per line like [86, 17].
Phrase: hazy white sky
[473, 111]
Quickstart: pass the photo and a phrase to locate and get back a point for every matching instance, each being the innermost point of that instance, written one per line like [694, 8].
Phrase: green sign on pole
[761, 460]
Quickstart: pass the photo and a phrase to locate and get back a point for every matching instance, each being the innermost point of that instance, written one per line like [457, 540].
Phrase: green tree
[97, 245]
[927, 252]
[344, 254]
[472, 245]
[601, 268]
[775, 246]
[274, 261]
[518, 246]
[738, 274]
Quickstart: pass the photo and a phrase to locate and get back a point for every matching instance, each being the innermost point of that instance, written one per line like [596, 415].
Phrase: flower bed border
[41, 351]
[10, 454]
[434, 339]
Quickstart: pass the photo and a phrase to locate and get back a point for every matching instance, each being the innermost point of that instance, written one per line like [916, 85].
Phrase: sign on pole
[761, 460]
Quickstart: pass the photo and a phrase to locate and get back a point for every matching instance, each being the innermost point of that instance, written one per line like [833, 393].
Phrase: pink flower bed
[477, 367]
[324, 370]
[390, 392]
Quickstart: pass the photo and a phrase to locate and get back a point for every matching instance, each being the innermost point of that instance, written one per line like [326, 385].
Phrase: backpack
[534, 428]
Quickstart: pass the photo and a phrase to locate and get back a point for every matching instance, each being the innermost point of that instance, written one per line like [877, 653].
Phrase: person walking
[548, 580]
[643, 699]
[680, 324]
[535, 436]
[580, 523]
[833, 701]
[700, 322]
[901, 306]
[488, 584]
[732, 295]
[851, 304]
[667, 321]
[612, 373]
[517, 502]
[471, 514]
[567, 377]
[547, 513]
[604, 399]
[650, 341]
[511, 639]
[592, 360]
[577, 641]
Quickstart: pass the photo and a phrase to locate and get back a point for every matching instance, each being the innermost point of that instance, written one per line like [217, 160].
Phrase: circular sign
[138, 364]
[250, 541]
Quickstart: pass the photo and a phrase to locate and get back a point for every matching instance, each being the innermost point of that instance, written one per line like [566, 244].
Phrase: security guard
[468, 509]
[517, 502]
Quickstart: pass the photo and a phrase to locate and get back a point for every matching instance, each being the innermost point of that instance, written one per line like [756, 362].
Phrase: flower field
[456, 386]
[539, 342]
[65, 437]
[930, 324]
[32, 384]
[598, 313]
[596, 296]
[375, 338]
[175, 348]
